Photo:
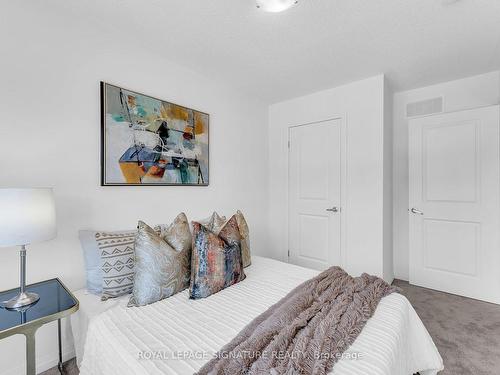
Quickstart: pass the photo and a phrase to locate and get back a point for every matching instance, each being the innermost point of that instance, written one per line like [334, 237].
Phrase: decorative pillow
[216, 261]
[162, 262]
[92, 259]
[214, 223]
[177, 234]
[245, 239]
[117, 262]
[89, 240]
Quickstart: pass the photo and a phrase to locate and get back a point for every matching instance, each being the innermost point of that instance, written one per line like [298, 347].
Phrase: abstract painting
[148, 141]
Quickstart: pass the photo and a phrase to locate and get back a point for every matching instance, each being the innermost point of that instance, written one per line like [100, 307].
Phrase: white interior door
[314, 194]
[454, 203]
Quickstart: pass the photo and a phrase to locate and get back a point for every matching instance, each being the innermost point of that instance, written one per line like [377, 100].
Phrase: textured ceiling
[315, 45]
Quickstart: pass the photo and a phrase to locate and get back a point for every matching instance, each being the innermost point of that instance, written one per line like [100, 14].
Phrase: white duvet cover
[178, 335]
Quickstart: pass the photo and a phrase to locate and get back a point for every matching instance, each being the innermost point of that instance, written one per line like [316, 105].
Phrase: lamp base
[21, 300]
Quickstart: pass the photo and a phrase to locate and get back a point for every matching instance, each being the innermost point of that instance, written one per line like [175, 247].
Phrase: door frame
[343, 184]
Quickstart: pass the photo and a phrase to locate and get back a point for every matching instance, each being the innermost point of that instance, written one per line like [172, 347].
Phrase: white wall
[388, 240]
[361, 105]
[472, 92]
[50, 136]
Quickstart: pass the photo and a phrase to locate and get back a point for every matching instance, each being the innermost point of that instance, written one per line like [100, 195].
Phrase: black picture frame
[205, 180]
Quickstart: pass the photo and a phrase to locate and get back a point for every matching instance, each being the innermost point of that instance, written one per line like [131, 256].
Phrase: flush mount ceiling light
[275, 6]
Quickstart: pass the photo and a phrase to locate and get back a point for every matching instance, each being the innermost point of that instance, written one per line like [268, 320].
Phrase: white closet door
[314, 194]
[454, 203]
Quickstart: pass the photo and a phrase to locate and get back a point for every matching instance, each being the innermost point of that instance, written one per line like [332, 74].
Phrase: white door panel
[314, 192]
[454, 182]
[450, 162]
[451, 246]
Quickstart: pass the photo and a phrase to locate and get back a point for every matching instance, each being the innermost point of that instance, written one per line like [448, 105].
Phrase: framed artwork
[149, 141]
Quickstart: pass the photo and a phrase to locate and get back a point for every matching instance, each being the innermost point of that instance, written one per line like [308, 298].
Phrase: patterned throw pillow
[216, 261]
[245, 239]
[162, 261]
[215, 223]
[117, 262]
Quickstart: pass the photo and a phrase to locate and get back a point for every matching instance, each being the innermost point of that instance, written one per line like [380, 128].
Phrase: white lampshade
[26, 216]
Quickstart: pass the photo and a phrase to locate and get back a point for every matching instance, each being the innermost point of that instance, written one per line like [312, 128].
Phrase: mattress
[90, 307]
[179, 335]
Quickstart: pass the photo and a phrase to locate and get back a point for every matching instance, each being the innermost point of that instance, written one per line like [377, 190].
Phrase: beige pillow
[162, 261]
[215, 223]
[245, 239]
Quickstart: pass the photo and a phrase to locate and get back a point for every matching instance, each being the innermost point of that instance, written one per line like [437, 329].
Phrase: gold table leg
[30, 351]
[59, 342]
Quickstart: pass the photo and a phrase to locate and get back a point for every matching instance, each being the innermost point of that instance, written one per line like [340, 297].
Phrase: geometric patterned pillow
[117, 262]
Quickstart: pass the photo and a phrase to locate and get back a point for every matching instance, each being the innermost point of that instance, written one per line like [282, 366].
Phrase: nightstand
[55, 302]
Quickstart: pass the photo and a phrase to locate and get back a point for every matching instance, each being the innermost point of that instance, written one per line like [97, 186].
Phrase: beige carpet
[466, 331]
[69, 368]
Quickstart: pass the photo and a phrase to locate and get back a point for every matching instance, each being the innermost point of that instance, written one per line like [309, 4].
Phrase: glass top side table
[55, 302]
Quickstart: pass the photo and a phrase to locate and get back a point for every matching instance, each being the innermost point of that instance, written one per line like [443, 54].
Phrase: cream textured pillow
[215, 223]
[162, 261]
[245, 239]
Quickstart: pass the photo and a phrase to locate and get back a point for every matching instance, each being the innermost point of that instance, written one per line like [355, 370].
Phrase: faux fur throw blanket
[307, 331]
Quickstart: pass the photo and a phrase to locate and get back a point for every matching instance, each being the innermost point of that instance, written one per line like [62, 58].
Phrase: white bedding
[121, 340]
[90, 307]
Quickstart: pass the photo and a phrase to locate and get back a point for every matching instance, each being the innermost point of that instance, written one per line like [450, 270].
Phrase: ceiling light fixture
[275, 6]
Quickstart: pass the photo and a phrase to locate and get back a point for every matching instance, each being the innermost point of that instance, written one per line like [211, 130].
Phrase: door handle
[415, 211]
[333, 209]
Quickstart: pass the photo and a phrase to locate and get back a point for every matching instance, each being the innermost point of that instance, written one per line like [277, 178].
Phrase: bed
[179, 335]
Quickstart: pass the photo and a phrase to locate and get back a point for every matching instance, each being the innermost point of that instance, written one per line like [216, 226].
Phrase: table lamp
[26, 216]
